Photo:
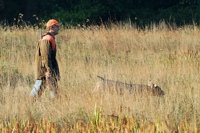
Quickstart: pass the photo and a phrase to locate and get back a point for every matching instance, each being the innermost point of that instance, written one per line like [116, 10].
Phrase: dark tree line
[74, 12]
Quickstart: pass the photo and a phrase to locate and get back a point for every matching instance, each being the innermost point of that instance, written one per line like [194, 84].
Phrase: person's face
[55, 29]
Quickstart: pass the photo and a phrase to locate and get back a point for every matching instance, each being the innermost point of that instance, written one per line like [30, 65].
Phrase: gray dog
[122, 87]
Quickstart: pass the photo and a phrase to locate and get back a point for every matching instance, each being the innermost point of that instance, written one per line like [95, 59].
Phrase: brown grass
[169, 57]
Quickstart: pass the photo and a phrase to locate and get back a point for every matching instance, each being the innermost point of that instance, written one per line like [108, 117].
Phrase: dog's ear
[150, 83]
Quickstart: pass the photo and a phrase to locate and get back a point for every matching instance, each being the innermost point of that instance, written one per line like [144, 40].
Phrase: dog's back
[122, 87]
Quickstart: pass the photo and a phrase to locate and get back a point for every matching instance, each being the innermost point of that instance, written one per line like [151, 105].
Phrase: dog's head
[156, 90]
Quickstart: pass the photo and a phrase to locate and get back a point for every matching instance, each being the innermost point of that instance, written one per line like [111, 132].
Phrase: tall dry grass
[169, 57]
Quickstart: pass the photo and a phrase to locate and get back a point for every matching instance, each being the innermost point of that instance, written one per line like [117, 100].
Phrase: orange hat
[52, 22]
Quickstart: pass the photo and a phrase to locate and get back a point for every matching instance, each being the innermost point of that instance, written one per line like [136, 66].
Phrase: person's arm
[45, 50]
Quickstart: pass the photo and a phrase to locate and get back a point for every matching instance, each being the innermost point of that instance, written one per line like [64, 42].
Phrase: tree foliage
[74, 12]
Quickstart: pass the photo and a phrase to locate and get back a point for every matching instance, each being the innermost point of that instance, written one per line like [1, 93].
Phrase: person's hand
[48, 74]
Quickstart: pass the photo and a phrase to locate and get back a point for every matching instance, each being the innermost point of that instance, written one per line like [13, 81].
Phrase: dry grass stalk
[170, 57]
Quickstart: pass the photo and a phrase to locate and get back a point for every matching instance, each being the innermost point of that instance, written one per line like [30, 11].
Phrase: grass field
[170, 57]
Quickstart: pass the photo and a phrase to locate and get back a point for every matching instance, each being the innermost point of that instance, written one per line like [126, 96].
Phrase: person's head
[53, 26]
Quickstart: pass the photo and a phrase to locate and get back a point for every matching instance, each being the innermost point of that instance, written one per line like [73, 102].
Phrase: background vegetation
[132, 41]
[167, 55]
[73, 12]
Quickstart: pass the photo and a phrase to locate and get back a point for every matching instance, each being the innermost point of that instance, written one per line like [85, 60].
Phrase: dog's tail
[101, 77]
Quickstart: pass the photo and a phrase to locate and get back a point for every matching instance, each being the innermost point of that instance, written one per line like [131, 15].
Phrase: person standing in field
[46, 66]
